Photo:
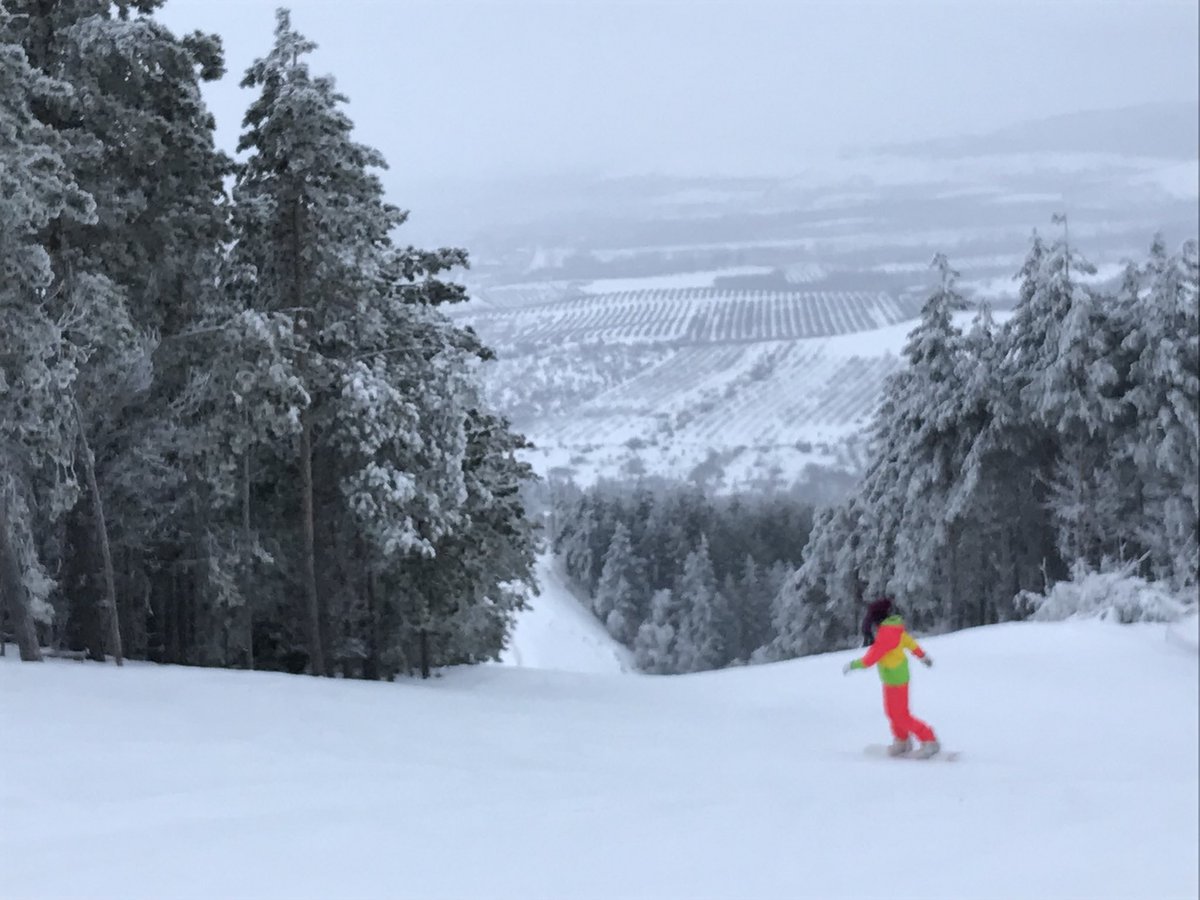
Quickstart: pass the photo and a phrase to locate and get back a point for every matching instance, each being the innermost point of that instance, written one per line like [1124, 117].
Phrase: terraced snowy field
[689, 314]
[734, 387]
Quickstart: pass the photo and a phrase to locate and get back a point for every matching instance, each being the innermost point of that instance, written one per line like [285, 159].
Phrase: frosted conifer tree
[138, 267]
[37, 361]
[400, 479]
[615, 600]
[817, 608]
[706, 628]
[1067, 384]
[1165, 379]
[655, 649]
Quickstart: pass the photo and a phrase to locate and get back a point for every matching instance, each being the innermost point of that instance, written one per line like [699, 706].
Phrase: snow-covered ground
[1078, 779]
[557, 632]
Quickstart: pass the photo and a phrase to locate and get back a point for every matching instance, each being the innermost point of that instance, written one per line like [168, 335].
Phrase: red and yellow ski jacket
[888, 650]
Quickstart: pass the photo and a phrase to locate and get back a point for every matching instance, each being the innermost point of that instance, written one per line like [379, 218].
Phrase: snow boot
[927, 749]
[899, 748]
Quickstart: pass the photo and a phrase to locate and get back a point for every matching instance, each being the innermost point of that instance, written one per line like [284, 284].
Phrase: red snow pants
[895, 704]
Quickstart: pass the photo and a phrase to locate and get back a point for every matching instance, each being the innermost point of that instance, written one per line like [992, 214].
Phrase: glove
[847, 667]
[926, 661]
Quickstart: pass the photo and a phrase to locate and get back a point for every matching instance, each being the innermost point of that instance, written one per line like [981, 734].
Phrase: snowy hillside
[1078, 779]
[692, 315]
[728, 388]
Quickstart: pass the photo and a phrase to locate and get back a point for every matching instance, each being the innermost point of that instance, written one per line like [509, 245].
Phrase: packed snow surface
[1078, 779]
[557, 632]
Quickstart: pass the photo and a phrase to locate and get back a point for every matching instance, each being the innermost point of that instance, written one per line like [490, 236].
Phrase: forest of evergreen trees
[1003, 460]
[235, 427]
[684, 579]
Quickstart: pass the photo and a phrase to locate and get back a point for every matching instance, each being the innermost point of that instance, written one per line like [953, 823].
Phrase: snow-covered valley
[732, 390]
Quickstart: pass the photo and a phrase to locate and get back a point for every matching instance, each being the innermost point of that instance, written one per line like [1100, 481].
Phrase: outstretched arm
[909, 643]
[872, 656]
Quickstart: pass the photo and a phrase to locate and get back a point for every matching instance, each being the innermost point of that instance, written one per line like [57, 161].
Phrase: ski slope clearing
[1078, 780]
[557, 632]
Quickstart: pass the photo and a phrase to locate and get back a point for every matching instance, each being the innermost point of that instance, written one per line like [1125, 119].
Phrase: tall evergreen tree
[705, 639]
[39, 354]
[137, 138]
[655, 648]
[1165, 392]
[616, 599]
[373, 406]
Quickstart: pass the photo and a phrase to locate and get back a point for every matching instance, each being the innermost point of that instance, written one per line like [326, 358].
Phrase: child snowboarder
[884, 630]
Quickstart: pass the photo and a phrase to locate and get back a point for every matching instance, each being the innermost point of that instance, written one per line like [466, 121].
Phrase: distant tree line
[683, 578]
[235, 427]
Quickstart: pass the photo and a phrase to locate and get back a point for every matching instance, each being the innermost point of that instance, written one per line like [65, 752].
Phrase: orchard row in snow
[235, 429]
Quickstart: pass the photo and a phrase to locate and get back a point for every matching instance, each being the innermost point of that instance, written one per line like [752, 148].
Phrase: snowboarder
[883, 630]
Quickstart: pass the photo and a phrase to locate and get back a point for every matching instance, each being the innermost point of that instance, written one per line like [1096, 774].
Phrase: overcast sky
[484, 87]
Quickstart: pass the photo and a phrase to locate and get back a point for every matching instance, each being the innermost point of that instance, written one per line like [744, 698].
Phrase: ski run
[1078, 777]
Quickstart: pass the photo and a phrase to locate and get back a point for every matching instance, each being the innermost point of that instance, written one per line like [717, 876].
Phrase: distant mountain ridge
[1158, 130]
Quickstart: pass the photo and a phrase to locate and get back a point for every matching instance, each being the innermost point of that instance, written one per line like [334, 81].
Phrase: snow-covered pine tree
[1165, 391]
[982, 495]
[403, 494]
[706, 634]
[576, 536]
[1006, 471]
[454, 602]
[1015, 450]
[882, 490]
[493, 556]
[674, 524]
[310, 227]
[750, 595]
[38, 360]
[655, 647]
[933, 439]
[818, 606]
[616, 600]
[138, 139]
[906, 543]
[1068, 385]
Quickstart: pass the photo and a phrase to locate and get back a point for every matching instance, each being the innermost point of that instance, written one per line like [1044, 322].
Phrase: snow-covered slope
[732, 387]
[741, 392]
[1078, 779]
[558, 632]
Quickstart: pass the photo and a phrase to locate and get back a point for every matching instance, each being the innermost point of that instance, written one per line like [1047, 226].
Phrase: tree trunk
[371, 666]
[110, 591]
[12, 592]
[424, 639]
[171, 613]
[957, 607]
[245, 561]
[315, 648]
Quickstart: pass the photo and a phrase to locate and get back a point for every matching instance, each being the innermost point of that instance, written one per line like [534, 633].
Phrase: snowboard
[882, 750]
